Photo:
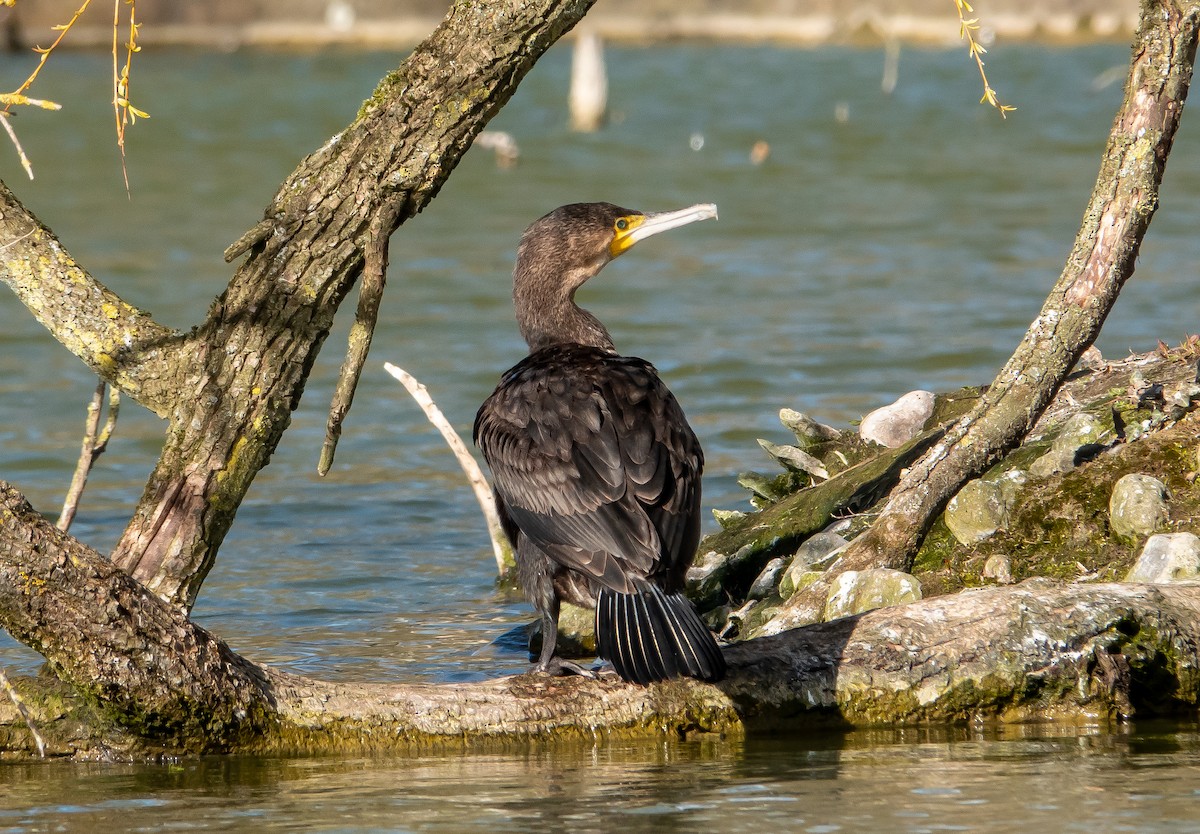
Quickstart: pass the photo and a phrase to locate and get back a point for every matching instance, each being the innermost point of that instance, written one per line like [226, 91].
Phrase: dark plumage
[596, 471]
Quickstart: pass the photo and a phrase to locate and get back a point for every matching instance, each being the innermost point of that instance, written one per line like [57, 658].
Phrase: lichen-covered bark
[1122, 203]
[122, 344]
[141, 661]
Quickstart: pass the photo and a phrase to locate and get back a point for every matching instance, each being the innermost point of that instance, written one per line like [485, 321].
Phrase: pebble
[1138, 506]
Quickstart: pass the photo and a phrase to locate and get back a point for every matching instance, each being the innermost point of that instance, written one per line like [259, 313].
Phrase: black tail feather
[651, 636]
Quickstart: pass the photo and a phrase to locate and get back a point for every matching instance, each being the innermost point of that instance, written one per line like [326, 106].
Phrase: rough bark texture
[146, 665]
[122, 344]
[152, 682]
[1118, 214]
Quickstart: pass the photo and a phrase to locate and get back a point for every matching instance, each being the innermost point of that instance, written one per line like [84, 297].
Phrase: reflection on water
[905, 247]
[1013, 779]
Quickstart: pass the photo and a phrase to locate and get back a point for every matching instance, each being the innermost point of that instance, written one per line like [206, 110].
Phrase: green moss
[383, 91]
[1058, 526]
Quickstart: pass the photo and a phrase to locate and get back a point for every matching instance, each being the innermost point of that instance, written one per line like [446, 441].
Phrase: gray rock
[854, 592]
[807, 430]
[811, 558]
[976, 512]
[896, 424]
[817, 548]
[1077, 433]
[1167, 557]
[998, 567]
[795, 459]
[727, 518]
[764, 583]
[706, 576]
[1138, 506]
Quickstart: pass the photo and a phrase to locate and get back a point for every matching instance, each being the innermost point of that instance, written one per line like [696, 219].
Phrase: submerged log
[1037, 651]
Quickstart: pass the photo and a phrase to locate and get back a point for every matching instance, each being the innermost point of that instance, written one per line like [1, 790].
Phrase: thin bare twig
[17, 96]
[479, 483]
[12, 134]
[95, 441]
[25, 716]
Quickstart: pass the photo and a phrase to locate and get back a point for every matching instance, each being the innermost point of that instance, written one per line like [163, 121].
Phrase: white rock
[1167, 557]
[896, 424]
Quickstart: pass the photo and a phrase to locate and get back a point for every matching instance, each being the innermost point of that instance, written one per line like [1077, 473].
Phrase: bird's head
[586, 236]
[563, 249]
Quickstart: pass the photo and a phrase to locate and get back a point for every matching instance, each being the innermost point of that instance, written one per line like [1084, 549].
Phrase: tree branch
[1122, 204]
[113, 641]
[370, 289]
[122, 344]
[95, 441]
[501, 547]
[1094, 652]
[254, 352]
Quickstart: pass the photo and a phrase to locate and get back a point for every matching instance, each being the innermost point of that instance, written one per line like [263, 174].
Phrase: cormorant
[596, 470]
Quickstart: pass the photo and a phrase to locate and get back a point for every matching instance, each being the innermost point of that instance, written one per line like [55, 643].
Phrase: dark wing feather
[595, 463]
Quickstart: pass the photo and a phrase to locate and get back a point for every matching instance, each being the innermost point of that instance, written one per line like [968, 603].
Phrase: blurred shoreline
[367, 24]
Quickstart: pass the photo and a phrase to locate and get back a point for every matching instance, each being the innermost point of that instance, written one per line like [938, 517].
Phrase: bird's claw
[558, 667]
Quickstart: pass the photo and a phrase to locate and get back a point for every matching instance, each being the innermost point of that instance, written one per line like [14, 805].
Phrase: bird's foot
[557, 667]
[606, 670]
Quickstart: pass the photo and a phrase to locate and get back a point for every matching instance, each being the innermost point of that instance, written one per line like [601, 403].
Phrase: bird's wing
[595, 464]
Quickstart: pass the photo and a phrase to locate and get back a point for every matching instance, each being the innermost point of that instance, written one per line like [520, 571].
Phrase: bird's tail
[650, 635]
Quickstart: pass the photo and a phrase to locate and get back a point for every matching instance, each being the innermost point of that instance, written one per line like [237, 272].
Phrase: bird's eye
[622, 224]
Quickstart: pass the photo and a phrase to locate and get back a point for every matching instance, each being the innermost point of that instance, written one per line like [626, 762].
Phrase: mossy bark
[1037, 651]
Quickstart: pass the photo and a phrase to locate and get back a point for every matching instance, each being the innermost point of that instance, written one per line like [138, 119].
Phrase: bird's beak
[644, 225]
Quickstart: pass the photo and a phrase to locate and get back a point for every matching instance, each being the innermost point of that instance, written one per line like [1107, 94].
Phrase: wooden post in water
[588, 99]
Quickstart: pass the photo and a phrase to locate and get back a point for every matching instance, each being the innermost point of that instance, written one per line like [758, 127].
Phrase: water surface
[909, 782]
[905, 246]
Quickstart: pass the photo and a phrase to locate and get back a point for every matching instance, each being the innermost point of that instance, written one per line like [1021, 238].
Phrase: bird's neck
[547, 314]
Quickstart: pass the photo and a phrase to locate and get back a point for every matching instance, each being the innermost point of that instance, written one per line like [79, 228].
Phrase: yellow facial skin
[623, 237]
[631, 228]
